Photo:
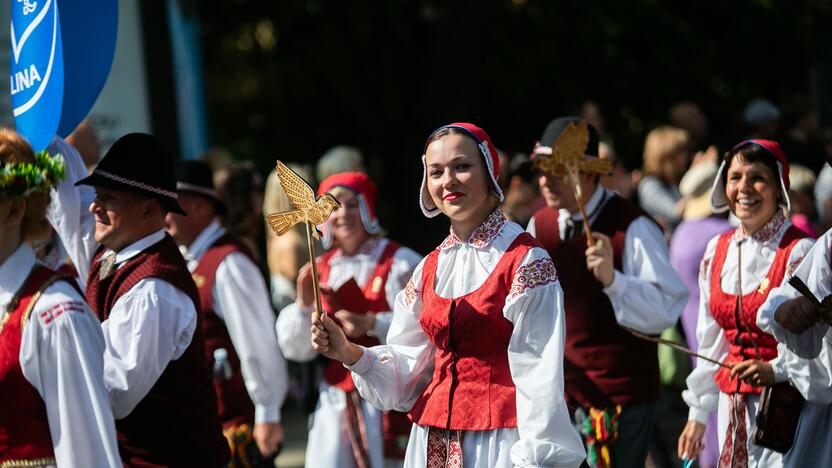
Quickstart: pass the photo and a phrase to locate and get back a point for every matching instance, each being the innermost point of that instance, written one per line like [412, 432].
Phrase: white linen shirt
[328, 441]
[241, 301]
[295, 321]
[647, 294]
[392, 376]
[758, 252]
[813, 442]
[69, 213]
[61, 356]
[151, 324]
[816, 271]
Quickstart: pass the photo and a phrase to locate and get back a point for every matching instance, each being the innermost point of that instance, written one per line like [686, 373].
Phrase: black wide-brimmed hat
[196, 177]
[557, 126]
[138, 162]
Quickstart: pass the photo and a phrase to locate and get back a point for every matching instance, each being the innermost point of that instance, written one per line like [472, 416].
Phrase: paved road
[294, 445]
[670, 421]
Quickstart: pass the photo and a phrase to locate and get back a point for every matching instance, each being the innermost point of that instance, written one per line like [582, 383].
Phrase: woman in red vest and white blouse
[738, 271]
[54, 408]
[361, 277]
[475, 350]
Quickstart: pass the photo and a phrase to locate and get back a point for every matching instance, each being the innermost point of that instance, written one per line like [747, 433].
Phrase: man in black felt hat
[249, 371]
[140, 288]
[625, 279]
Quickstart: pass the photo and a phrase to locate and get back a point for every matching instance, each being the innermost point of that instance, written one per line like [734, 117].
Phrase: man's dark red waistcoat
[177, 423]
[235, 406]
[604, 365]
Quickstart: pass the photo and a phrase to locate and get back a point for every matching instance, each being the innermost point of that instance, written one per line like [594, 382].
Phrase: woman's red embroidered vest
[24, 428]
[234, 403]
[471, 388]
[177, 423]
[374, 291]
[734, 322]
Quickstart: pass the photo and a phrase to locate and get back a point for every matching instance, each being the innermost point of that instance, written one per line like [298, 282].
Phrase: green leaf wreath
[19, 180]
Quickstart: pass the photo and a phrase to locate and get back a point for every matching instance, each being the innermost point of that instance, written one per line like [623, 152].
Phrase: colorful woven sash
[600, 432]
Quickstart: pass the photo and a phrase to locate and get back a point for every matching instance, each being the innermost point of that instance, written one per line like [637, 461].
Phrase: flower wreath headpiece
[19, 180]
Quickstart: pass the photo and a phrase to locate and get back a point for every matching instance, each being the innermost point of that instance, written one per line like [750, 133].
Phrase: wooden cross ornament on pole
[307, 209]
[567, 160]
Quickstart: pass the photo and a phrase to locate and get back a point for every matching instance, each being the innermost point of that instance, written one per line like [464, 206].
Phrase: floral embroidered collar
[765, 233]
[482, 235]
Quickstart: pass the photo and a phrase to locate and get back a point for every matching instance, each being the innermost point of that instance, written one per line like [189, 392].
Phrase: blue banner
[187, 76]
[37, 69]
[61, 56]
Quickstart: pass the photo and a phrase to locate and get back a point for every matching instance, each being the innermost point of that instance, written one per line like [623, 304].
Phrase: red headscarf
[489, 154]
[366, 193]
[719, 203]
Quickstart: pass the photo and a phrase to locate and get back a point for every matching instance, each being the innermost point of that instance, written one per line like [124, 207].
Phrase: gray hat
[760, 111]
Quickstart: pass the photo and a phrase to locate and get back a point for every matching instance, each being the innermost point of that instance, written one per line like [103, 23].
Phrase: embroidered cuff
[266, 414]
[364, 363]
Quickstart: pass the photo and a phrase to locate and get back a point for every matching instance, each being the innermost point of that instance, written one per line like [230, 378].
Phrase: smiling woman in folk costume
[346, 430]
[53, 404]
[475, 349]
[738, 271]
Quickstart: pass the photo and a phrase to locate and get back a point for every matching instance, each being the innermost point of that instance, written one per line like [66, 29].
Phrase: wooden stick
[315, 286]
[804, 290]
[576, 188]
[587, 231]
[673, 345]
[823, 308]
[739, 302]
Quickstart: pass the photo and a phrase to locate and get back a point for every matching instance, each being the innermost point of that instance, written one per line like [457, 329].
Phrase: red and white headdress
[489, 154]
[719, 203]
[365, 192]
